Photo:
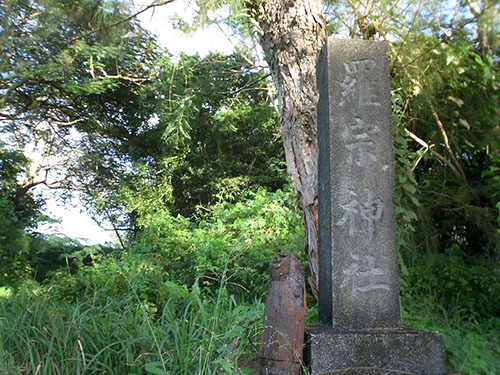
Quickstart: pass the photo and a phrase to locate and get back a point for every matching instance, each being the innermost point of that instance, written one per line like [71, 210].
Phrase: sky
[157, 20]
[75, 223]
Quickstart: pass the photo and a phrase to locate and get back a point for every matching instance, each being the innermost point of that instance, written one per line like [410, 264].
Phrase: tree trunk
[291, 34]
[484, 12]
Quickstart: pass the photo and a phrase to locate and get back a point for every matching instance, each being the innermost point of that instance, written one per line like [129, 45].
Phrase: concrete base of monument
[373, 352]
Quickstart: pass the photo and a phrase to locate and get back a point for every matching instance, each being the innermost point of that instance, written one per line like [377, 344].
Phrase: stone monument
[360, 327]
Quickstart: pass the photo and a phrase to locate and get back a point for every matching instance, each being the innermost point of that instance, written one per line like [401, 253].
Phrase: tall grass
[198, 336]
[472, 342]
[472, 346]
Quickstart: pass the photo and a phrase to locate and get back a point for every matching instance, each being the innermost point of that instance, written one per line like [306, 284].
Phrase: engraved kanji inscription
[364, 213]
[357, 256]
[356, 87]
[351, 211]
[363, 276]
[371, 211]
[358, 138]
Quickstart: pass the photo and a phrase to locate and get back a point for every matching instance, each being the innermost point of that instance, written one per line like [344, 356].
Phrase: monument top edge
[341, 49]
[359, 45]
[336, 39]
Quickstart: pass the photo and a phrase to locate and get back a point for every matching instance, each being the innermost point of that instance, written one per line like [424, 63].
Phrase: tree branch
[4, 98]
[126, 19]
[447, 145]
[428, 147]
[22, 81]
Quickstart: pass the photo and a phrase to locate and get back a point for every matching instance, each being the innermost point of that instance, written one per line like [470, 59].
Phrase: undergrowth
[187, 299]
[458, 296]
[198, 335]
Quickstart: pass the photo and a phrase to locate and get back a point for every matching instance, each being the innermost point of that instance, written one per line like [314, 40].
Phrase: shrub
[239, 238]
[470, 284]
[13, 246]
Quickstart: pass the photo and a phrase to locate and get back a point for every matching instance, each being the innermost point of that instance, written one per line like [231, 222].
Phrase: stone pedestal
[373, 352]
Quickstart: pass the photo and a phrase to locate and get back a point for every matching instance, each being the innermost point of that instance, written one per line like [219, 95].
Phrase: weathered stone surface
[358, 276]
[284, 313]
[374, 352]
[358, 273]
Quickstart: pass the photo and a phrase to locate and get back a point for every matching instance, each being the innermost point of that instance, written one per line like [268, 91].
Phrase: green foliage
[448, 98]
[100, 275]
[68, 69]
[220, 129]
[184, 154]
[472, 346]
[235, 241]
[477, 351]
[445, 113]
[18, 212]
[466, 284]
[5, 292]
[54, 48]
[24, 206]
[200, 335]
[239, 237]
[405, 183]
[174, 303]
[48, 253]
[210, 134]
[456, 295]
[13, 246]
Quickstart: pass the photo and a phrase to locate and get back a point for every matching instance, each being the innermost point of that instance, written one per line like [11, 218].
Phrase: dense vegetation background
[182, 156]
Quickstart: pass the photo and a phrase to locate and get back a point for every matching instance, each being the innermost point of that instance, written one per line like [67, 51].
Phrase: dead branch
[428, 147]
[453, 158]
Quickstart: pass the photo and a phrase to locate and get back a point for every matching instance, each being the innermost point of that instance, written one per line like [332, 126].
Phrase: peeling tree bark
[291, 34]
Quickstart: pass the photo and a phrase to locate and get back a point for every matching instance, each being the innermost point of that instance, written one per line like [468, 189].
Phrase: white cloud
[75, 222]
[206, 40]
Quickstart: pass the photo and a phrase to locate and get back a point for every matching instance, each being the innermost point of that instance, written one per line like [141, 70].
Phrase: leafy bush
[13, 246]
[472, 345]
[239, 238]
[458, 282]
[110, 276]
[51, 253]
[18, 212]
[459, 297]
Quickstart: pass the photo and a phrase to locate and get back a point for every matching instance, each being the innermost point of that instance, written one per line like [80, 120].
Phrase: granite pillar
[359, 310]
